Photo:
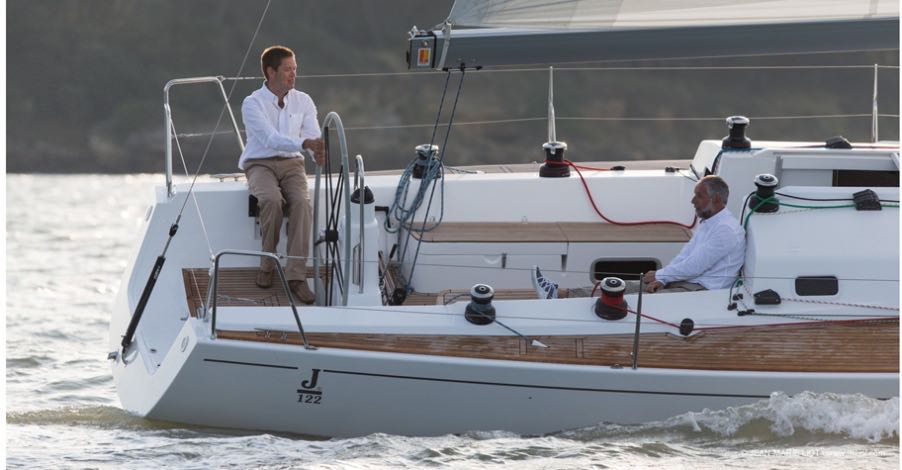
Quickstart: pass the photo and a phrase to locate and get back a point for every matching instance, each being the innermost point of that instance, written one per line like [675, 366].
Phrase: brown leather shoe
[264, 279]
[301, 292]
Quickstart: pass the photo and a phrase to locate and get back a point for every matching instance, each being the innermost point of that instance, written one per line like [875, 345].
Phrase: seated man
[281, 123]
[710, 260]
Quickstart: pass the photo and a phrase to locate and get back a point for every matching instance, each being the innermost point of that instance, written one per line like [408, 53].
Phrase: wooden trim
[823, 347]
[493, 232]
[582, 232]
[553, 232]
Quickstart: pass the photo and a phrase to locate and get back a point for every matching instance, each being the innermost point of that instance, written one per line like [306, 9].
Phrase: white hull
[238, 384]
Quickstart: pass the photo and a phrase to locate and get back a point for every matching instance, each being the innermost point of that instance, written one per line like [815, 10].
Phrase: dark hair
[272, 57]
[716, 187]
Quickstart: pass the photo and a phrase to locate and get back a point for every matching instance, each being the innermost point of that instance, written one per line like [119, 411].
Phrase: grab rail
[360, 184]
[211, 291]
[167, 119]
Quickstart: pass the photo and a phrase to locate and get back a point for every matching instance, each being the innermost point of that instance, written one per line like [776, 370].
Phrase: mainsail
[503, 32]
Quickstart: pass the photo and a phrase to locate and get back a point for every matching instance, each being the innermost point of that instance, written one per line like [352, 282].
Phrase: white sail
[623, 14]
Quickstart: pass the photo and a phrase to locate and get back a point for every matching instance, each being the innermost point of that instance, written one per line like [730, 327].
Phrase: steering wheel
[332, 270]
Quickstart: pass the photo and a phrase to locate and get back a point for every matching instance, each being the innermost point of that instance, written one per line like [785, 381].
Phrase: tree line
[85, 81]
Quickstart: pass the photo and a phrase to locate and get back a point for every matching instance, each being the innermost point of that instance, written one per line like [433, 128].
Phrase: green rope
[772, 199]
[838, 206]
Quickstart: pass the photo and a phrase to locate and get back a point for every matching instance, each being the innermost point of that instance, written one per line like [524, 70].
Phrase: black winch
[480, 310]
[766, 185]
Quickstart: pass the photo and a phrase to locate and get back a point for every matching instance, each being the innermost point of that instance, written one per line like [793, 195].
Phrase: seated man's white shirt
[277, 132]
[713, 255]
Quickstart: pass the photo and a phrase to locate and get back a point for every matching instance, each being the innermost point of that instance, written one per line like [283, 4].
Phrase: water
[68, 238]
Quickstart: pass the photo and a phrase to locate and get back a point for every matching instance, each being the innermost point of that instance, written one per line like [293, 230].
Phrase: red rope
[728, 327]
[598, 211]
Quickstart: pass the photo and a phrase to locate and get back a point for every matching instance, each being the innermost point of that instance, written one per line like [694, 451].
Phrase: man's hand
[652, 284]
[654, 287]
[317, 146]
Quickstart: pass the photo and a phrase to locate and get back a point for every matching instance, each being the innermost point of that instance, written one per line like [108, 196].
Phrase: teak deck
[836, 347]
[237, 288]
[820, 347]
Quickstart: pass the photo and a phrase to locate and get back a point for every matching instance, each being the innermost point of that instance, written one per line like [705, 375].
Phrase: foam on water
[807, 416]
[103, 417]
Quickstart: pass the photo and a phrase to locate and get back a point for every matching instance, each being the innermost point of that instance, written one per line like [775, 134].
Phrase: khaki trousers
[632, 287]
[275, 181]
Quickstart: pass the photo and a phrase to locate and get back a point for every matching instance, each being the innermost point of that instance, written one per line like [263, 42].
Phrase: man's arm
[311, 134]
[721, 242]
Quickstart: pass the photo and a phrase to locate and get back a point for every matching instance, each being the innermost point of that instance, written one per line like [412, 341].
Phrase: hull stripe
[545, 387]
[250, 364]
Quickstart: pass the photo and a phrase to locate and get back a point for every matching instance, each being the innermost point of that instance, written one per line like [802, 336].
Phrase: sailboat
[426, 321]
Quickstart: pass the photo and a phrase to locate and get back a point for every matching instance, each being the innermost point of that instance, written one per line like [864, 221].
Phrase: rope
[438, 166]
[614, 222]
[207, 149]
[811, 320]
[721, 57]
[745, 287]
[488, 70]
[200, 217]
[564, 118]
[774, 200]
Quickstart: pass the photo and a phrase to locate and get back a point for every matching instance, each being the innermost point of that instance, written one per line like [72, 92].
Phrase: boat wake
[798, 419]
[804, 417]
[102, 417]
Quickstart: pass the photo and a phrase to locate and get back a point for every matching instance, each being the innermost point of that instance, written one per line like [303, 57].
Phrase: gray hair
[716, 187]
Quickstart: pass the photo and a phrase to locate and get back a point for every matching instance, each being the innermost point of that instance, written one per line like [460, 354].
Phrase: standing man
[281, 123]
[710, 260]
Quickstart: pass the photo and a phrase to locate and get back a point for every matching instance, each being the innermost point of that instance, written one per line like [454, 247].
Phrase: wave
[806, 416]
[781, 419]
[104, 417]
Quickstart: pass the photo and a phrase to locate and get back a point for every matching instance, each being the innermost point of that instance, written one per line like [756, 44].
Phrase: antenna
[554, 166]
[552, 132]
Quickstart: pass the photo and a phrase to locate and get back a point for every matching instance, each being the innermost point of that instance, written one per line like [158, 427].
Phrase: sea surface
[68, 241]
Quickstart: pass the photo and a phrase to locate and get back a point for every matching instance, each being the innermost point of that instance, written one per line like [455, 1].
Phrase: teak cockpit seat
[553, 232]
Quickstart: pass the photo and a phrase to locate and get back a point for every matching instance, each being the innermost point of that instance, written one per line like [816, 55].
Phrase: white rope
[200, 216]
[228, 97]
[824, 302]
[717, 57]
[820, 302]
[591, 69]
[611, 119]
[563, 118]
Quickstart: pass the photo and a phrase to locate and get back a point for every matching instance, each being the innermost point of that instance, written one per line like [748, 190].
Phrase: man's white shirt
[273, 131]
[713, 255]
